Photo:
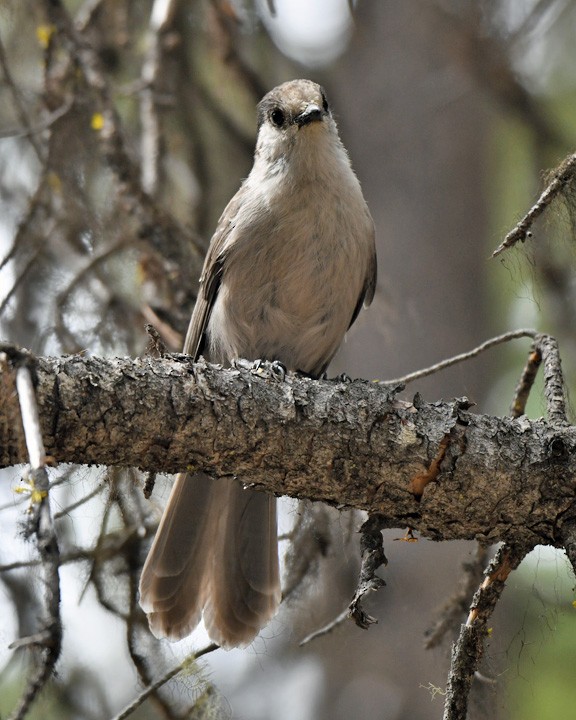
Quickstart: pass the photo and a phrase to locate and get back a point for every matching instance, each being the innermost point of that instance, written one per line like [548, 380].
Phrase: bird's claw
[343, 378]
[275, 369]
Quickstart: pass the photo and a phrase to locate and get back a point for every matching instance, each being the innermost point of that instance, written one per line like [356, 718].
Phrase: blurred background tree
[125, 127]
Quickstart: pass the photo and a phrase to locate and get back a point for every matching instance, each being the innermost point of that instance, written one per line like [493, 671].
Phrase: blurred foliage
[541, 657]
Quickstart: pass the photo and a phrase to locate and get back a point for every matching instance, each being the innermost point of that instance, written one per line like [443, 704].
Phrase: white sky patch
[313, 32]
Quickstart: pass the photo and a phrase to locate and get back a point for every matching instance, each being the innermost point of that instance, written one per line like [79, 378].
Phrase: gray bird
[290, 265]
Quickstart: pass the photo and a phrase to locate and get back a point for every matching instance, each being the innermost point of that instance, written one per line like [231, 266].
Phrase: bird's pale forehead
[296, 93]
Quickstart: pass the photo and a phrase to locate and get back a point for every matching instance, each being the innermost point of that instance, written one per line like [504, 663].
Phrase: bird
[291, 263]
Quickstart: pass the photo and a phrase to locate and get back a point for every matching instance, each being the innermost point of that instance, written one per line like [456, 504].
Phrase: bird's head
[294, 118]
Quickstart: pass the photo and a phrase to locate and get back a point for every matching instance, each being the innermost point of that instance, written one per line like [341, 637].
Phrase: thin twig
[30, 420]
[467, 651]
[512, 335]
[326, 629]
[108, 547]
[230, 127]
[65, 478]
[544, 349]
[129, 709]
[93, 262]
[74, 506]
[450, 616]
[21, 277]
[142, 656]
[309, 540]
[22, 238]
[30, 130]
[563, 175]
[533, 19]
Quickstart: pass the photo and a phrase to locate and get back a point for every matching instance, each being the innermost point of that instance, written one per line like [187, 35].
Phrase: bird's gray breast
[294, 272]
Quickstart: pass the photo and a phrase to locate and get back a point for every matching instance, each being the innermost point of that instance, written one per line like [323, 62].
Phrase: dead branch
[145, 694]
[347, 444]
[467, 651]
[563, 175]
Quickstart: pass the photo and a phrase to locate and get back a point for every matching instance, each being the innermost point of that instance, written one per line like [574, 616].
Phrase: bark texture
[436, 467]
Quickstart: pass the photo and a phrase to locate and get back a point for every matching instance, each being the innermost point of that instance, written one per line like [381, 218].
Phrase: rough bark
[350, 444]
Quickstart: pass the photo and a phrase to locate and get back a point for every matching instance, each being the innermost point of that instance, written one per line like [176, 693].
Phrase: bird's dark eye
[325, 105]
[277, 116]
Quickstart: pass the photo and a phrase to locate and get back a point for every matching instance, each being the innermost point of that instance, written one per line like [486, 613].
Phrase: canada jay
[290, 265]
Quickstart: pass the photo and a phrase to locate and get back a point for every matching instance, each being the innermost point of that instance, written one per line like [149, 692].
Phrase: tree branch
[347, 444]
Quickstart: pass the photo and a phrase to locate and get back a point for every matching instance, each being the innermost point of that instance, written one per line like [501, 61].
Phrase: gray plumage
[288, 269]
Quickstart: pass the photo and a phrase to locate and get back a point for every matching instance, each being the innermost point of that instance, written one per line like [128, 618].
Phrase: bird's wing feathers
[371, 277]
[367, 293]
[211, 276]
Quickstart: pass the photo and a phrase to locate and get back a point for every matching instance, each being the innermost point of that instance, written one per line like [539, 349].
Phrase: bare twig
[563, 175]
[21, 237]
[467, 651]
[229, 126]
[143, 661]
[23, 273]
[108, 547]
[93, 262]
[30, 130]
[512, 335]
[82, 501]
[326, 629]
[539, 10]
[452, 612]
[129, 709]
[86, 14]
[309, 541]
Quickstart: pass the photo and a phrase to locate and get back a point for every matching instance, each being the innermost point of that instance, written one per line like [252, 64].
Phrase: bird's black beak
[312, 114]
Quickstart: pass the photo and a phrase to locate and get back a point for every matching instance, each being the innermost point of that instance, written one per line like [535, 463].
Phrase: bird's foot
[264, 368]
[343, 378]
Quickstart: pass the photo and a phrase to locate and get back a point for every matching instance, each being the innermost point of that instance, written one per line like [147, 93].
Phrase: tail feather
[173, 580]
[245, 584]
[215, 550]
